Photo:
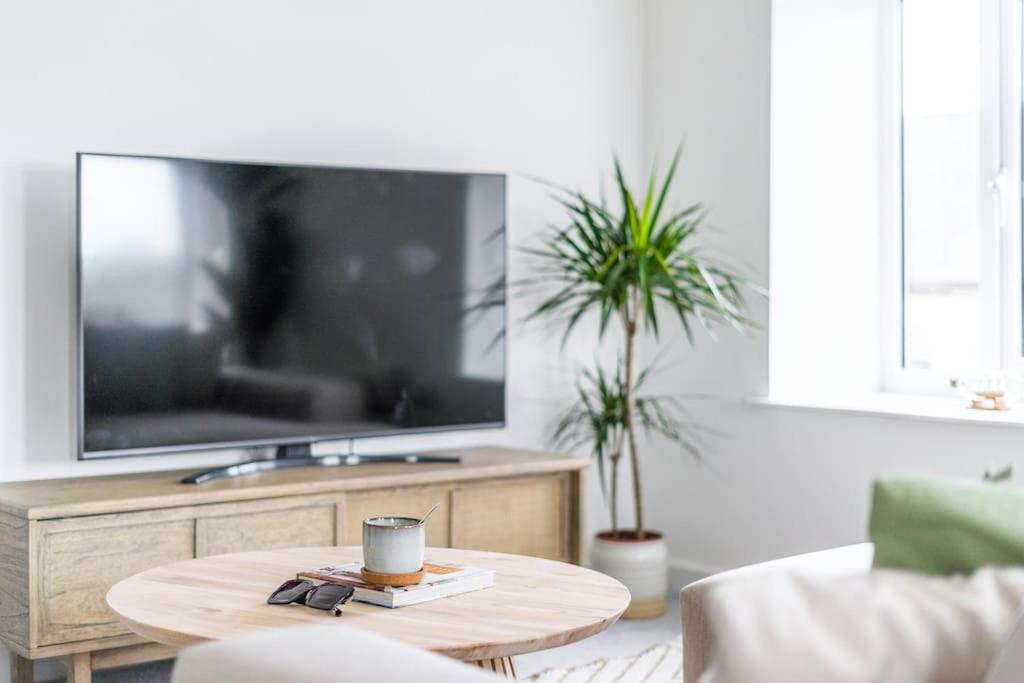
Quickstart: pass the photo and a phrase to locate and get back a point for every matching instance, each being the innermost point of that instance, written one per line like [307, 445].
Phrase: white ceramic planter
[642, 565]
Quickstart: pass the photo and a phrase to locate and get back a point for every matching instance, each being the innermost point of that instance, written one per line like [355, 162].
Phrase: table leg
[79, 667]
[503, 666]
[22, 670]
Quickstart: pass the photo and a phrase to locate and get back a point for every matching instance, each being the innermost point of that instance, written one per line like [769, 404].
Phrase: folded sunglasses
[326, 596]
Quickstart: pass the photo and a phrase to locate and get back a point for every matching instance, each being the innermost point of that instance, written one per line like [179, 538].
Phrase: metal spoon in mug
[423, 520]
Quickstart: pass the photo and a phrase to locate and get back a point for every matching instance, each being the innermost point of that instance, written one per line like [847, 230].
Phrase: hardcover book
[439, 581]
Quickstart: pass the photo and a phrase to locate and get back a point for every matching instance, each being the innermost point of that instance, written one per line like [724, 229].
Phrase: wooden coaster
[392, 579]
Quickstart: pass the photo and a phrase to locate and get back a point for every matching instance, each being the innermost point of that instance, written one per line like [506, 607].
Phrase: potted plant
[633, 265]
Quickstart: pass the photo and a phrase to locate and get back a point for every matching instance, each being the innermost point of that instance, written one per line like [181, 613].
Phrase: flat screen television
[227, 305]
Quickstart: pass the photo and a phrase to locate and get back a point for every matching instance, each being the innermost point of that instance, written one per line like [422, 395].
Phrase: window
[955, 219]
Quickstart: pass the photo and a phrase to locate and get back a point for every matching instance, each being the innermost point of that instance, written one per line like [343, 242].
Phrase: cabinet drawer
[265, 530]
[523, 516]
[396, 503]
[80, 559]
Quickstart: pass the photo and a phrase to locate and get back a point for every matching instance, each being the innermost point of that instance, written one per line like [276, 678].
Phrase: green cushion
[943, 526]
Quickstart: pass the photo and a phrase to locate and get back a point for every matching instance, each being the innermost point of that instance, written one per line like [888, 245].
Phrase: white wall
[782, 480]
[825, 204]
[535, 87]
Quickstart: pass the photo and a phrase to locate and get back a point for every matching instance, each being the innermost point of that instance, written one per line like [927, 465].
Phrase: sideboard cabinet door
[81, 558]
[527, 516]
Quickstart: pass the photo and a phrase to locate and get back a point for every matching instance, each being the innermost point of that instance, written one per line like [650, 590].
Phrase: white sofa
[824, 612]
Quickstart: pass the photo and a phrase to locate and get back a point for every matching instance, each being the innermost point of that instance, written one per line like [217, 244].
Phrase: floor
[623, 638]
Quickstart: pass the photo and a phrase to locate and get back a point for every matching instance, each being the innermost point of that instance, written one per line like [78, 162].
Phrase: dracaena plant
[634, 264]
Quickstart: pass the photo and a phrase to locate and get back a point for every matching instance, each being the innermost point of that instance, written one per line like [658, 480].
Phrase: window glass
[942, 184]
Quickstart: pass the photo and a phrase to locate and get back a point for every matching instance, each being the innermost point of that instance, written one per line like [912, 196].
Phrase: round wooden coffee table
[535, 604]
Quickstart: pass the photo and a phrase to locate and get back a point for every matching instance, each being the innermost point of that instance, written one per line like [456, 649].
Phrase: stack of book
[439, 581]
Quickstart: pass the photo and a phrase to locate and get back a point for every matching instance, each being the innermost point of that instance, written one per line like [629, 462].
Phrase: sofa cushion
[946, 526]
[885, 626]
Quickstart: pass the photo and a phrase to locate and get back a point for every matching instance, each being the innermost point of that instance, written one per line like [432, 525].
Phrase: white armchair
[329, 653]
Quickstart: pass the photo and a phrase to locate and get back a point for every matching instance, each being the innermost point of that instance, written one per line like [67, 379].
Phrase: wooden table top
[535, 604]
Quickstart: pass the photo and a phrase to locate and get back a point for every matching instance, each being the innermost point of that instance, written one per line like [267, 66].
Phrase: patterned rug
[657, 664]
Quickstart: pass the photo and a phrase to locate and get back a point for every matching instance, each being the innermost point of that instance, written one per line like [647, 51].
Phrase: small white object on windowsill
[990, 390]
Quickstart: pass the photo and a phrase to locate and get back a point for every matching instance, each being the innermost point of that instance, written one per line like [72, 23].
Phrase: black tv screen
[246, 304]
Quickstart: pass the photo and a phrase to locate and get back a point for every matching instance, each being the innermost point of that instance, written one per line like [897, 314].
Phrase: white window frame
[1001, 281]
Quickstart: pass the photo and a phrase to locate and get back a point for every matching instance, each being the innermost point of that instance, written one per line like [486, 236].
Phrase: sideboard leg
[505, 667]
[22, 669]
[80, 667]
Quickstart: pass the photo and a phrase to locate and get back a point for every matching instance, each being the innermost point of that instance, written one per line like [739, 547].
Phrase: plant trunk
[615, 491]
[634, 461]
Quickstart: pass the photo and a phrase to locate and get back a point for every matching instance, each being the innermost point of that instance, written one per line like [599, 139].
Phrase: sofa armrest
[698, 645]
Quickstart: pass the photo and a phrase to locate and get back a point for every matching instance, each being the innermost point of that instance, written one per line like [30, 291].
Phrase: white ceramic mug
[393, 545]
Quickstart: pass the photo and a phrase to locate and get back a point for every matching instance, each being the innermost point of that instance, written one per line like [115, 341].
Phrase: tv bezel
[284, 441]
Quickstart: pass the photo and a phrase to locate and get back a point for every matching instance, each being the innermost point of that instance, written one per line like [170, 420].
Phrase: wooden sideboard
[65, 542]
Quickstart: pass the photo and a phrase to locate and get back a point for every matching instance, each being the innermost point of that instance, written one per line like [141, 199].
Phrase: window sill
[898, 406]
